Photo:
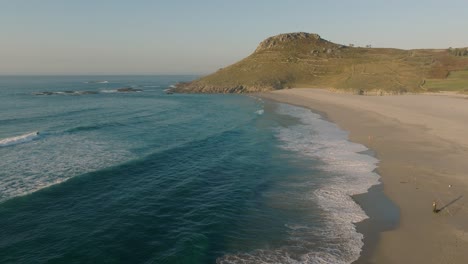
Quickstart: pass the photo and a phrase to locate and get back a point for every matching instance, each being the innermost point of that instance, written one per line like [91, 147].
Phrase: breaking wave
[68, 155]
[347, 172]
[19, 139]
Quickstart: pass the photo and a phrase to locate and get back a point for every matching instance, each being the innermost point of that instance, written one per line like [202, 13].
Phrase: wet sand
[422, 144]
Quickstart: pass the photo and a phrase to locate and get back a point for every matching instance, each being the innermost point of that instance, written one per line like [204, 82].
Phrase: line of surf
[350, 173]
[346, 172]
[28, 137]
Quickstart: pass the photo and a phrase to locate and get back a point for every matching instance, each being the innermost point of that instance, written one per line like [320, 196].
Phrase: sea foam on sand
[347, 172]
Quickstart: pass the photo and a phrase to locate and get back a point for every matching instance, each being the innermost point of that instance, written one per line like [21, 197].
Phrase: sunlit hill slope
[307, 60]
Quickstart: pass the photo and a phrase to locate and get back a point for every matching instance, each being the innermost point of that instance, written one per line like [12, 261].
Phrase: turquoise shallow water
[146, 177]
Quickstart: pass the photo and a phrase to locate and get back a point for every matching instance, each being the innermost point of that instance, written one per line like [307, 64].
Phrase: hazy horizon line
[102, 74]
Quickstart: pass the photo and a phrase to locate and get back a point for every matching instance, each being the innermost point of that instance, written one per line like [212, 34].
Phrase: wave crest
[19, 139]
[346, 172]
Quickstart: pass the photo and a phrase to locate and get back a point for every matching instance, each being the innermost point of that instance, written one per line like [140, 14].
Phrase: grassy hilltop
[307, 60]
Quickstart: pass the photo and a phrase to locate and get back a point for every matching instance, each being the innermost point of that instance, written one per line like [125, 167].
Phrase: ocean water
[92, 173]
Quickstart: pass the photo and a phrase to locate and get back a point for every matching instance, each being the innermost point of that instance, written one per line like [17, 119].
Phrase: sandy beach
[422, 144]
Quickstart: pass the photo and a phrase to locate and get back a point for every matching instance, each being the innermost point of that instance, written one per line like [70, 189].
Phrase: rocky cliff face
[197, 87]
[283, 40]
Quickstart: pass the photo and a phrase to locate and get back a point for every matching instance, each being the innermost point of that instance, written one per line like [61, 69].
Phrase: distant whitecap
[19, 139]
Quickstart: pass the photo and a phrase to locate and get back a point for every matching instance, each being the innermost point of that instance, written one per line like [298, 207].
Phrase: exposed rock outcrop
[279, 41]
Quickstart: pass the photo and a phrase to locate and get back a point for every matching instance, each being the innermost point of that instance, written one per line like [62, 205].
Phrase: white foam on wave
[351, 173]
[91, 82]
[19, 139]
[348, 172]
[26, 169]
[260, 103]
[109, 91]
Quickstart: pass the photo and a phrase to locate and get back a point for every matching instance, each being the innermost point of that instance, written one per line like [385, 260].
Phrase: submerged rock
[65, 93]
[128, 90]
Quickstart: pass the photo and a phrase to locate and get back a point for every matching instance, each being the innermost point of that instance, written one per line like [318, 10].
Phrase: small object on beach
[434, 207]
[450, 185]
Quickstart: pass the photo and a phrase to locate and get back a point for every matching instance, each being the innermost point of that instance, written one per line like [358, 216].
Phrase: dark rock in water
[66, 93]
[88, 92]
[169, 91]
[43, 93]
[120, 90]
[128, 90]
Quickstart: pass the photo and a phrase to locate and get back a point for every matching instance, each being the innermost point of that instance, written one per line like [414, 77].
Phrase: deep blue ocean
[111, 169]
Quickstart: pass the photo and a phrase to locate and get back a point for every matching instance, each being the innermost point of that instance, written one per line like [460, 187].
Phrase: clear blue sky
[175, 36]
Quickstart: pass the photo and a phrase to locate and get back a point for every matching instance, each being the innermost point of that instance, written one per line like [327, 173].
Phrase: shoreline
[422, 152]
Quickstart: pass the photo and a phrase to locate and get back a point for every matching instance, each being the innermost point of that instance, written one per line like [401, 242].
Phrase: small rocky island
[128, 90]
[119, 90]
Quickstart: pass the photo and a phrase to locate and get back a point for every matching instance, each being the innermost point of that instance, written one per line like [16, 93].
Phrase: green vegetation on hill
[307, 60]
[455, 81]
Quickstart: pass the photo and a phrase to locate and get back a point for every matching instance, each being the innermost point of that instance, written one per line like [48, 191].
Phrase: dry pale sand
[422, 144]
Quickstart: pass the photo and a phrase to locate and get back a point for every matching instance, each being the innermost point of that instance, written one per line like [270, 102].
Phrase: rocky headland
[307, 60]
